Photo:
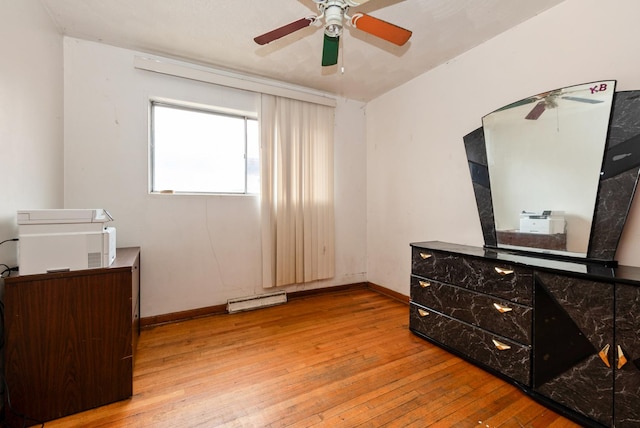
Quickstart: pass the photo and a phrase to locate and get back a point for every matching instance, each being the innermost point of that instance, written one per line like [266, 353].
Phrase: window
[203, 151]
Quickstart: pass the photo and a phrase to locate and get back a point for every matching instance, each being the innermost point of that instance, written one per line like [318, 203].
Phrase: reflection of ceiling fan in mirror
[549, 100]
[334, 14]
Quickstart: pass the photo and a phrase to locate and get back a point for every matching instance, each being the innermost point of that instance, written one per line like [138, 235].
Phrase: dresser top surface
[595, 271]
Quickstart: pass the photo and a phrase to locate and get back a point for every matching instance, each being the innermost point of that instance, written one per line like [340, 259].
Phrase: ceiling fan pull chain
[344, 52]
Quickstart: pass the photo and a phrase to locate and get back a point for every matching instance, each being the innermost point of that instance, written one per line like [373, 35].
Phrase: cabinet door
[68, 342]
[573, 344]
[627, 383]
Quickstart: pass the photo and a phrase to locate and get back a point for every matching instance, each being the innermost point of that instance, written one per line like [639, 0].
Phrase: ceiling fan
[549, 100]
[334, 14]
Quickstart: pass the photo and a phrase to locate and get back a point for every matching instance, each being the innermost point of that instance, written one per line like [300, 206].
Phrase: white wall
[415, 184]
[197, 251]
[31, 106]
[418, 181]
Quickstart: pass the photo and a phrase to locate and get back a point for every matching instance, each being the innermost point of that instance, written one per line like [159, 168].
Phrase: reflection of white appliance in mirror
[543, 222]
[63, 240]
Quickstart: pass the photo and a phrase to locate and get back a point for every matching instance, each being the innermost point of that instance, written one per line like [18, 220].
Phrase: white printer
[543, 222]
[54, 240]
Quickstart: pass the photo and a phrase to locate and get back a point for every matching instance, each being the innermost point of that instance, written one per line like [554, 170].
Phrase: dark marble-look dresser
[566, 332]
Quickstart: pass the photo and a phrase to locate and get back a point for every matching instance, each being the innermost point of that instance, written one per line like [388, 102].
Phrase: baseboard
[190, 314]
[326, 290]
[387, 292]
[148, 322]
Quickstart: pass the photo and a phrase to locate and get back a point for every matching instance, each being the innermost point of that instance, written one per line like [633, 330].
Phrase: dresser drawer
[512, 359]
[497, 278]
[499, 316]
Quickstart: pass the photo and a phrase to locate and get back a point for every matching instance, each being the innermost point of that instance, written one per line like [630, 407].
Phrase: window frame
[199, 108]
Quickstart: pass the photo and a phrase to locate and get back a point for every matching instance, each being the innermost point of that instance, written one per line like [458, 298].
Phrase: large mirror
[544, 156]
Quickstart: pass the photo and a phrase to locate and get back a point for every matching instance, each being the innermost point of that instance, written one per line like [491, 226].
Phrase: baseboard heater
[254, 302]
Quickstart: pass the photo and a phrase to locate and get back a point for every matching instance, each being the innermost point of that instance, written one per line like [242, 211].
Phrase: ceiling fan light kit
[334, 14]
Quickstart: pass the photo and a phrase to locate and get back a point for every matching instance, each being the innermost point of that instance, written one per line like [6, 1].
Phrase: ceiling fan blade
[354, 3]
[519, 103]
[330, 50]
[284, 30]
[537, 111]
[379, 28]
[583, 100]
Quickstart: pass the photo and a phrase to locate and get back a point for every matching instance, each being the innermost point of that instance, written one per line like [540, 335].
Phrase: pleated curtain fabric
[297, 202]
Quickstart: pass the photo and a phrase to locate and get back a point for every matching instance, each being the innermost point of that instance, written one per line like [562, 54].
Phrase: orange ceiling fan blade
[379, 28]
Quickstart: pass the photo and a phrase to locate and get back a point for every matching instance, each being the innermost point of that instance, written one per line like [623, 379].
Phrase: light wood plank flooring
[343, 359]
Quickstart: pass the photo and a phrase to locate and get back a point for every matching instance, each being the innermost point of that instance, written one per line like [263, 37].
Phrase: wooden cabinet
[557, 241]
[71, 338]
[567, 333]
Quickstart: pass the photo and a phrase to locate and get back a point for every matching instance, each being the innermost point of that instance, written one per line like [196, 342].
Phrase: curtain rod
[229, 80]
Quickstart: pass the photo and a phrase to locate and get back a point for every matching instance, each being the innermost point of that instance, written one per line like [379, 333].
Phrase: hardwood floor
[340, 359]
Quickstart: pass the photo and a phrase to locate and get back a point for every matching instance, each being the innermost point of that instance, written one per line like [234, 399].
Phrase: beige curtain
[297, 191]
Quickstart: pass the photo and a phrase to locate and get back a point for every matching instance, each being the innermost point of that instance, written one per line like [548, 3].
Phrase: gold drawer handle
[422, 312]
[503, 271]
[424, 284]
[426, 256]
[622, 360]
[501, 346]
[502, 309]
[604, 355]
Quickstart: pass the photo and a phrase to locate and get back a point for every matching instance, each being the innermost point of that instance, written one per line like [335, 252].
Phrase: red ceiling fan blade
[379, 28]
[284, 30]
[537, 111]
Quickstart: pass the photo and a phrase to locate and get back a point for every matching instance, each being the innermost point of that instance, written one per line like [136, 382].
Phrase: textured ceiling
[220, 33]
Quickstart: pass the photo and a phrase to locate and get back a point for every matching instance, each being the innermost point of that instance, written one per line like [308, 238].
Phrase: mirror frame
[617, 184]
